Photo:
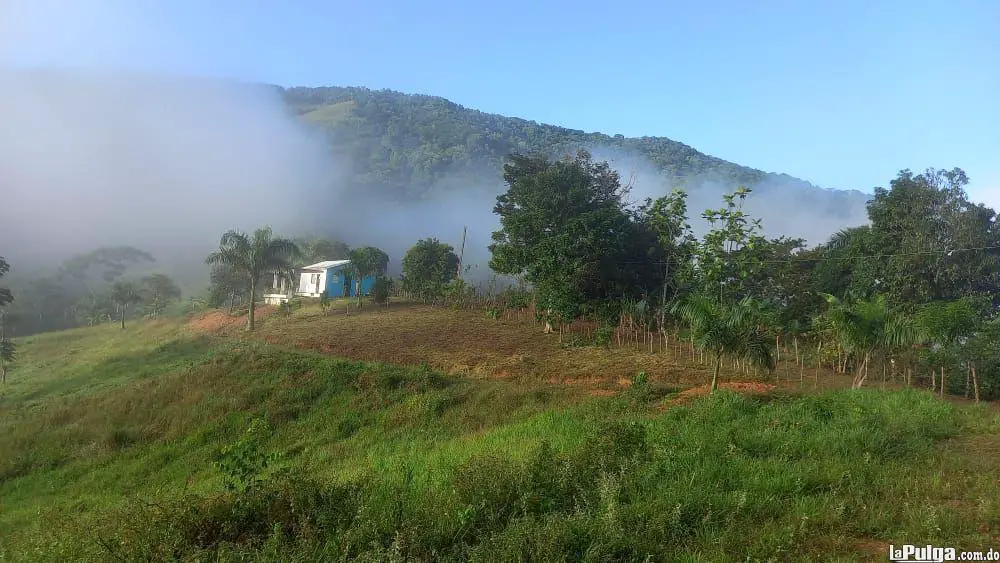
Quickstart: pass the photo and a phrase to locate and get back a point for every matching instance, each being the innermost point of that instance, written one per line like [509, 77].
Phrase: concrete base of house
[276, 298]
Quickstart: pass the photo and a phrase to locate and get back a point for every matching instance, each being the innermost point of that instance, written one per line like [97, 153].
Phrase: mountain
[409, 146]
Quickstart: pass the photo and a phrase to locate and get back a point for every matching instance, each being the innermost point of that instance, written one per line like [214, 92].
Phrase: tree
[428, 267]
[565, 230]
[868, 327]
[125, 293]
[932, 243]
[726, 257]
[5, 295]
[226, 284]
[157, 291]
[7, 350]
[666, 217]
[367, 261]
[319, 249]
[728, 330]
[945, 323]
[254, 257]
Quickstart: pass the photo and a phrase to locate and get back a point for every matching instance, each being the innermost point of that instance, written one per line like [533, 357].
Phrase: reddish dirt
[468, 342]
[221, 321]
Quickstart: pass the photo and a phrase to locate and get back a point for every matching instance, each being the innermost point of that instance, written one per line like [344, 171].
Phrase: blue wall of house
[338, 278]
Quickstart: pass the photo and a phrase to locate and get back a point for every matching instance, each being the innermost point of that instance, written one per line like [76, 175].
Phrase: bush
[382, 290]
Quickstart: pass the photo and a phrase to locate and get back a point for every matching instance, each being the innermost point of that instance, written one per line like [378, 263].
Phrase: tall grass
[378, 462]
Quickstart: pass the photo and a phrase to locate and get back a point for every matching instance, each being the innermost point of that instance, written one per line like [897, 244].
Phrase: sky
[843, 94]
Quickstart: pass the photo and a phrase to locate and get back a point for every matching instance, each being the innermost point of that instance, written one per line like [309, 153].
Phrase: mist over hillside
[424, 166]
[168, 163]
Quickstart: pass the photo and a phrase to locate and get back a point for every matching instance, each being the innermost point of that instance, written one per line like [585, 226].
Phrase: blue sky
[843, 94]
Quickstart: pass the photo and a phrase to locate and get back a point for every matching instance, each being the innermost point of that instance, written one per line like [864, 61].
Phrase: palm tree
[864, 328]
[367, 261]
[254, 257]
[124, 294]
[728, 330]
[945, 324]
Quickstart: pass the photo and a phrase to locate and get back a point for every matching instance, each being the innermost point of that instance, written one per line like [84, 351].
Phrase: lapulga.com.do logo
[931, 554]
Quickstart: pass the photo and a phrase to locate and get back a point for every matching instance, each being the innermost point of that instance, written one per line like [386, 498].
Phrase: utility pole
[461, 253]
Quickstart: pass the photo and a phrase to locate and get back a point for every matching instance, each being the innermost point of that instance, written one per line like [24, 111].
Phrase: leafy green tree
[731, 330]
[367, 261]
[157, 291]
[124, 294]
[7, 350]
[666, 217]
[253, 257]
[428, 267]
[108, 263]
[725, 256]
[565, 230]
[319, 249]
[5, 295]
[931, 241]
[226, 284]
[866, 328]
[945, 324]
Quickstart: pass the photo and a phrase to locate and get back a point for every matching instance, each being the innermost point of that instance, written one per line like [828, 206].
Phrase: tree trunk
[123, 307]
[715, 373]
[253, 303]
[942, 382]
[975, 383]
[232, 302]
[859, 379]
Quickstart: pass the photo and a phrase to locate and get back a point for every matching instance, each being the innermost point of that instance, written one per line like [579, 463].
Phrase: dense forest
[410, 145]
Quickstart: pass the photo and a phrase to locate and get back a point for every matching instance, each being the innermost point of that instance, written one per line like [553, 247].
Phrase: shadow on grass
[167, 357]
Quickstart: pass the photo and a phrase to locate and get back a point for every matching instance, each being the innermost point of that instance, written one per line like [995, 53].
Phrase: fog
[786, 206]
[167, 163]
[91, 156]
[161, 163]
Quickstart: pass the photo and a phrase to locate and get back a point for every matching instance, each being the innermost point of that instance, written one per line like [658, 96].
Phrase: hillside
[410, 144]
[185, 440]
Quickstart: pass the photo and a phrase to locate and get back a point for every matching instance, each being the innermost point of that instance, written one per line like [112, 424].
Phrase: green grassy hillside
[114, 444]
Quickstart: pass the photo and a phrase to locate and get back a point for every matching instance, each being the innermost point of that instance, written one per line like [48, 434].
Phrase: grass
[109, 442]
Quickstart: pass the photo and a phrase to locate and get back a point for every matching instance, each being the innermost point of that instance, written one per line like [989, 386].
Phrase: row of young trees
[919, 285]
[7, 352]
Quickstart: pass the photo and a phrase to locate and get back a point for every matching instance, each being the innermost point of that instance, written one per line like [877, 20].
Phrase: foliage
[243, 464]
[226, 285]
[666, 217]
[8, 352]
[734, 330]
[563, 227]
[5, 295]
[367, 261]
[866, 327]
[413, 147]
[123, 294]
[934, 242]
[381, 290]
[318, 249]
[253, 257]
[428, 267]
[157, 291]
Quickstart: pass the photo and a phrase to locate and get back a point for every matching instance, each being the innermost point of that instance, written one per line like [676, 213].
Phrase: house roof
[326, 265]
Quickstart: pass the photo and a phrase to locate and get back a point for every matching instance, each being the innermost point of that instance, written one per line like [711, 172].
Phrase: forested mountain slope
[407, 145]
